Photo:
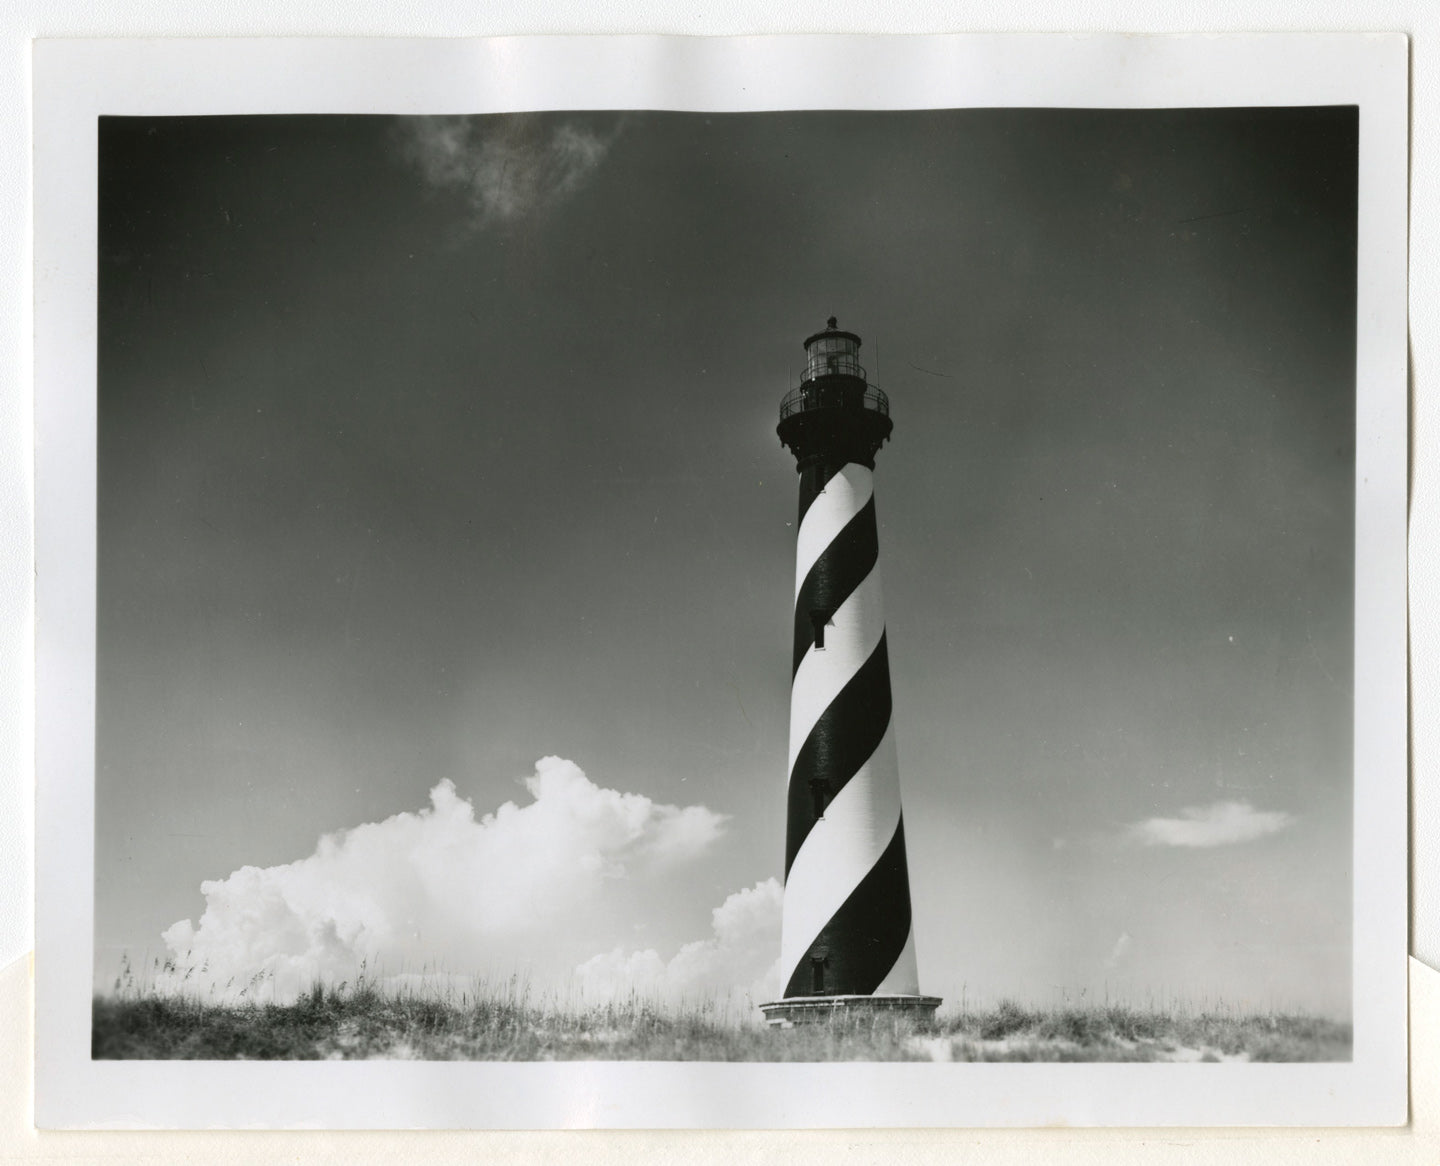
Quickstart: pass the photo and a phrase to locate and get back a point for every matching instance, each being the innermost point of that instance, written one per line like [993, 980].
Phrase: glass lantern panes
[831, 356]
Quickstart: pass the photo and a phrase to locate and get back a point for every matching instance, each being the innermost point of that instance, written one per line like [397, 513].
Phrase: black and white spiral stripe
[847, 897]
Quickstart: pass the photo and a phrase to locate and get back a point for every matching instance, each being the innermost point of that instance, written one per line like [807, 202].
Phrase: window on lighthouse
[817, 975]
[819, 620]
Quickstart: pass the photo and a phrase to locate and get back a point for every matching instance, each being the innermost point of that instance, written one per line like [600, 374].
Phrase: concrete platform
[812, 1009]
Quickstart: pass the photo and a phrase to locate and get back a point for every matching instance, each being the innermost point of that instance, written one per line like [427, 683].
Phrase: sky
[446, 544]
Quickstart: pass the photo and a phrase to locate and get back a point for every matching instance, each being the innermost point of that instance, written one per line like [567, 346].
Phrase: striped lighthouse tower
[846, 940]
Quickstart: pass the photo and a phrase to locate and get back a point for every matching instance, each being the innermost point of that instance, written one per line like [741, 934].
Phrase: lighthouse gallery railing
[822, 394]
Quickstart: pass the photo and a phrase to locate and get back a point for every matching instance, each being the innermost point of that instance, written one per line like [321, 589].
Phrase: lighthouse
[846, 940]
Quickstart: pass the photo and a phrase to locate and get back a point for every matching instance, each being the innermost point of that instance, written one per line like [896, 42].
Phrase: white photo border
[78, 81]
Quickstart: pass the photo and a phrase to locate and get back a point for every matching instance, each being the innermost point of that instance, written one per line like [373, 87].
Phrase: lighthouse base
[822, 1009]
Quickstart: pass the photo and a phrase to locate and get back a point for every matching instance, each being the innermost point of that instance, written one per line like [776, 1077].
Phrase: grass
[1122, 1033]
[503, 1023]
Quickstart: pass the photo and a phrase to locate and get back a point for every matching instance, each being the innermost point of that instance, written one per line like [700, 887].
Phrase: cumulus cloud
[436, 889]
[506, 166]
[1221, 824]
[739, 963]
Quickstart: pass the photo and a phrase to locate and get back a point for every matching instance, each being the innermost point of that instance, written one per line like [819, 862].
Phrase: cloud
[437, 889]
[1120, 950]
[507, 166]
[1221, 824]
[739, 963]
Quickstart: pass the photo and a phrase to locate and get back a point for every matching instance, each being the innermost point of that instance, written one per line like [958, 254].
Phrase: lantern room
[834, 414]
[832, 353]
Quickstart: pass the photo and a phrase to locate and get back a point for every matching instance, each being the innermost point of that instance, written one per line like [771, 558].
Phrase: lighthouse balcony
[834, 392]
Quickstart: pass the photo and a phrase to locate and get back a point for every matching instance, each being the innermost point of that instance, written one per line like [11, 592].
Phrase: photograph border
[77, 81]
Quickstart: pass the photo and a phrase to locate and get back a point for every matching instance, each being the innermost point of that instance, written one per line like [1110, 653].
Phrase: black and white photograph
[492, 510]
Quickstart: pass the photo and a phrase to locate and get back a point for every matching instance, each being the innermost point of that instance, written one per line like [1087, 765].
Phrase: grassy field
[504, 1025]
